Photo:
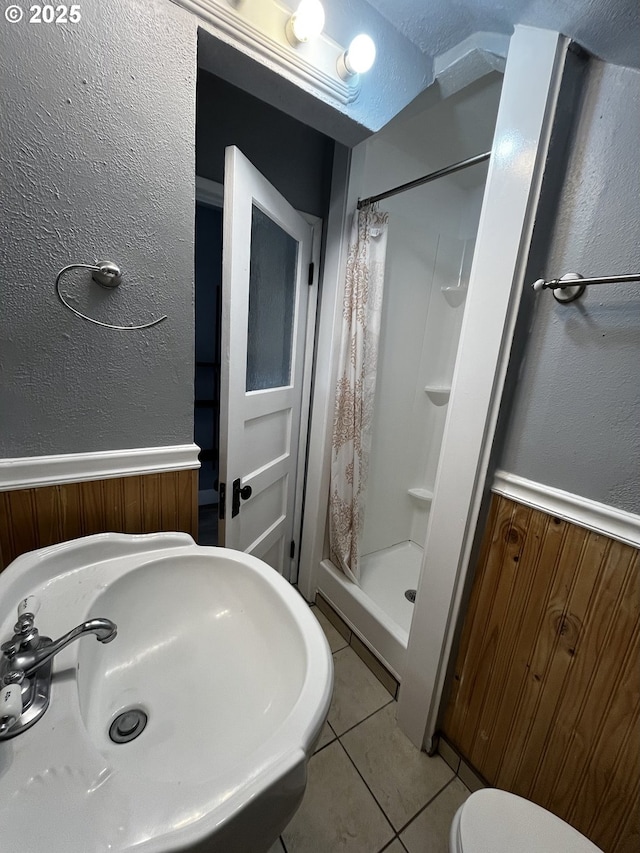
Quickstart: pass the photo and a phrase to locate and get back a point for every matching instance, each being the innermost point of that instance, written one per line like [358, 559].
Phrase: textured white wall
[575, 422]
[98, 130]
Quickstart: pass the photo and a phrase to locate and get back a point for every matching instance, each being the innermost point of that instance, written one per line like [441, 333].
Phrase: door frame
[307, 383]
[212, 193]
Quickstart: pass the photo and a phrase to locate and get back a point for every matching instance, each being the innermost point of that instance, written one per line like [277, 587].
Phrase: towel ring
[106, 274]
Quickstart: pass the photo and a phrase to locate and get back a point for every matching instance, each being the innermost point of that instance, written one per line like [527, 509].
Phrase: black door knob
[237, 494]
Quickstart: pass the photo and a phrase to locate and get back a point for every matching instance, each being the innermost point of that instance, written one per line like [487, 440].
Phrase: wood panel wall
[34, 518]
[545, 700]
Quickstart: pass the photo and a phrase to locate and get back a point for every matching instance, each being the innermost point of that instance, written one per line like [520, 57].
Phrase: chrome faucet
[25, 667]
[30, 660]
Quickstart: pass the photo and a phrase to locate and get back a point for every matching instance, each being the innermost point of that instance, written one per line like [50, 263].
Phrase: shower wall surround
[431, 238]
[432, 232]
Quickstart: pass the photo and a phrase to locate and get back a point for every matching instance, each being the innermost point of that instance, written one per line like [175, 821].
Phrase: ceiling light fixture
[358, 57]
[306, 22]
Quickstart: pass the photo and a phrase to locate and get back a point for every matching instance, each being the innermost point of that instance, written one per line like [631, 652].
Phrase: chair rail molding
[601, 518]
[28, 472]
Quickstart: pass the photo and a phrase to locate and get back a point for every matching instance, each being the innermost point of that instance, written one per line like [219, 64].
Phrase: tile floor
[369, 789]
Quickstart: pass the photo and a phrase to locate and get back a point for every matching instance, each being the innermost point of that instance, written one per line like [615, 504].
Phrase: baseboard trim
[612, 522]
[29, 472]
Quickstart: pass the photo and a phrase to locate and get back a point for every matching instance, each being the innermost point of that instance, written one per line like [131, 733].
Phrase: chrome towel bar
[572, 285]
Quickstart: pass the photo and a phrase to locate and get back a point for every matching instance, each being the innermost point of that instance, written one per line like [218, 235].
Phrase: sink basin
[219, 653]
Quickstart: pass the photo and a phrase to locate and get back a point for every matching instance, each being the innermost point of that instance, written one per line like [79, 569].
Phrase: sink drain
[128, 725]
[410, 595]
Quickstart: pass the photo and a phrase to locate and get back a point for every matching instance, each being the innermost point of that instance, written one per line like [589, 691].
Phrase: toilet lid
[493, 821]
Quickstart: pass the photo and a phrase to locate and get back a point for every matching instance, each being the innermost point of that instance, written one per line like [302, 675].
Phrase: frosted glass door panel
[265, 298]
[272, 295]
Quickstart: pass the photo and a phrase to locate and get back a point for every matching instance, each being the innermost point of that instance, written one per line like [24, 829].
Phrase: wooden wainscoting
[545, 698]
[34, 518]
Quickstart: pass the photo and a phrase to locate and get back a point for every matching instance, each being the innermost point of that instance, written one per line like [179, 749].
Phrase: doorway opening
[296, 160]
[208, 299]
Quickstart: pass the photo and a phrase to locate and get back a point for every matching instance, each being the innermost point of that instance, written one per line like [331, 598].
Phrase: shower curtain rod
[448, 170]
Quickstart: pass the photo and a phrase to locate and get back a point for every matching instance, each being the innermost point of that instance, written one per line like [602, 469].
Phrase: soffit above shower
[465, 124]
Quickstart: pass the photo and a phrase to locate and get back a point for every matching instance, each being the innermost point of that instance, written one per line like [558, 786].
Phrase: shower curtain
[356, 386]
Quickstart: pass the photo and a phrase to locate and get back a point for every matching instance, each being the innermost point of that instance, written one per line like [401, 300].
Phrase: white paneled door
[265, 291]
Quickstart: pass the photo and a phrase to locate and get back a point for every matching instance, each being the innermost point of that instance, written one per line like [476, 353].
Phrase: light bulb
[358, 58]
[361, 54]
[306, 22]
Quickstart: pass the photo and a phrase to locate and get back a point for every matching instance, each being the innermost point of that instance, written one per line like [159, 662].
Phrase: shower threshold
[385, 575]
[376, 610]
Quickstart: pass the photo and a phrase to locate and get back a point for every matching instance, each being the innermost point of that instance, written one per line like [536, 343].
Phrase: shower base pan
[377, 610]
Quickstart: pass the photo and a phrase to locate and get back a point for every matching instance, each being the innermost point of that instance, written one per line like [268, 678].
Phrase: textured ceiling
[610, 29]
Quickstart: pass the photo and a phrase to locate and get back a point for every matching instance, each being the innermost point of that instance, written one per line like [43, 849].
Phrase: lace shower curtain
[356, 386]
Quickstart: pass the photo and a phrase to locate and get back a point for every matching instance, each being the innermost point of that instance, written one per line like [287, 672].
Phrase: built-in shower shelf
[438, 394]
[454, 295]
[423, 495]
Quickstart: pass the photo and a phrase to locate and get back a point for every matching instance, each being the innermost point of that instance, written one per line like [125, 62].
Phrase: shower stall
[430, 246]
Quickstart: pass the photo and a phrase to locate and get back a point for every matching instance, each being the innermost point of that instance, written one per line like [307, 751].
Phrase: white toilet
[494, 821]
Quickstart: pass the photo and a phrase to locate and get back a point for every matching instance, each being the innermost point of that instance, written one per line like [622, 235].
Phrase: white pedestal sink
[222, 655]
